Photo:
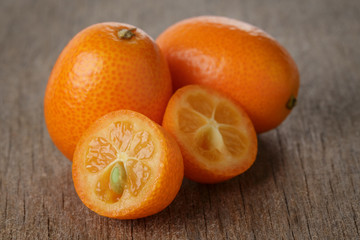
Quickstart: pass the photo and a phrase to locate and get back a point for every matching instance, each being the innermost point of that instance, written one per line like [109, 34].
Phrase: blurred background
[43, 28]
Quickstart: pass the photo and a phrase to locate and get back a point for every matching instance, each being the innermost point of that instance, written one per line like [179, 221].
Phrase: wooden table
[305, 183]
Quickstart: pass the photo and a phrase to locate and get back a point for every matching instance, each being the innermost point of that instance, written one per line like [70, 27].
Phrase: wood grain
[305, 183]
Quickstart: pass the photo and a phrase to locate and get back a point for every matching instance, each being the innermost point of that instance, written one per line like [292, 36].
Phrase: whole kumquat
[105, 67]
[237, 59]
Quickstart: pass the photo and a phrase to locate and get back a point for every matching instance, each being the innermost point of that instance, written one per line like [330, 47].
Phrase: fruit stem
[126, 33]
[291, 102]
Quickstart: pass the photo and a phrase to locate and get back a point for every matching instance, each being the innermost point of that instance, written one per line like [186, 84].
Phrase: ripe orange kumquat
[237, 59]
[126, 166]
[106, 67]
[216, 137]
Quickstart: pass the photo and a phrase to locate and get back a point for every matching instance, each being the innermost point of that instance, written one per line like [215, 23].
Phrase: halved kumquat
[126, 166]
[216, 137]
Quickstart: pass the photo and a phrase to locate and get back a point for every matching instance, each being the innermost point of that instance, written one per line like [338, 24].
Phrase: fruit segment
[234, 140]
[201, 104]
[121, 134]
[190, 121]
[100, 154]
[226, 114]
[138, 174]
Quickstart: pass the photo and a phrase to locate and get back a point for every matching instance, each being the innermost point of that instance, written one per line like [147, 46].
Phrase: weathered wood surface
[305, 183]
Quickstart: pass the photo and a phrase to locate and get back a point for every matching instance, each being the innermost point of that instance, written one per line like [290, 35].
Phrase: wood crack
[288, 213]
[8, 152]
[242, 197]
[48, 226]
[24, 202]
[306, 186]
[304, 174]
[6, 203]
[132, 229]
[204, 217]
[354, 219]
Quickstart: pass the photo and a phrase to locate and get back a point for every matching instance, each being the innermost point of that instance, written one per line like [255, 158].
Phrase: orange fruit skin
[96, 73]
[193, 168]
[158, 196]
[237, 59]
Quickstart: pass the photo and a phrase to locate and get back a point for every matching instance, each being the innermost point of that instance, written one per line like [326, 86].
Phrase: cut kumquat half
[216, 137]
[126, 166]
